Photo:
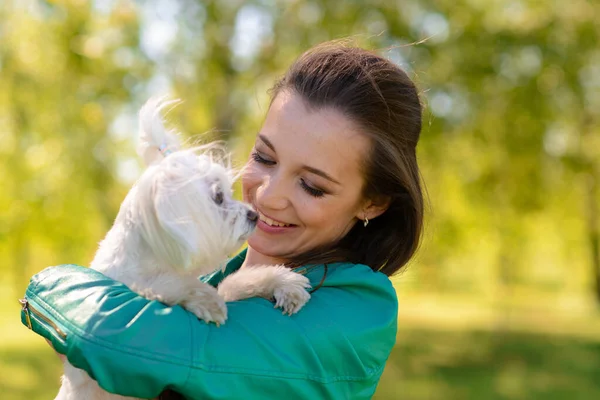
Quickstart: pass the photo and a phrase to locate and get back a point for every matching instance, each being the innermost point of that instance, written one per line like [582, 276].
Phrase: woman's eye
[260, 159]
[311, 190]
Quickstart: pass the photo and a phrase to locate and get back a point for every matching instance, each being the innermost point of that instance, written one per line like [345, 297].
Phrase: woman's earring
[366, 221]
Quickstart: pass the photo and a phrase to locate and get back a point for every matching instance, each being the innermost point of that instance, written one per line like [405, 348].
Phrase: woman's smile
[270, 225]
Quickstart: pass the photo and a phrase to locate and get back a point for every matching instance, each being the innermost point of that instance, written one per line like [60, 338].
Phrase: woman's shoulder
[344, 333]
[357, 280]
[354, 297]
[355, 309]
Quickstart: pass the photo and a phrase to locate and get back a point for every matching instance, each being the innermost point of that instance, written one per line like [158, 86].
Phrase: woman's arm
[104, 328]
[137, 347]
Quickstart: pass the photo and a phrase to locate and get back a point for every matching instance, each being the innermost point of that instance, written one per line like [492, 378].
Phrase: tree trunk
[590, 168]
[592, 233]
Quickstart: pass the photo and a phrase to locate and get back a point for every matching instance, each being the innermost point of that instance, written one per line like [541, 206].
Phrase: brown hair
[382, 100]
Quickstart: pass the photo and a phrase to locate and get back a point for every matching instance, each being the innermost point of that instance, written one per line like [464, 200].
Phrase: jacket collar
[230, 267]
[315, 273]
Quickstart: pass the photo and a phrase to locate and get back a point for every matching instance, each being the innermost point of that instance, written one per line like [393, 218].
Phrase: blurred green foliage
[509, 152]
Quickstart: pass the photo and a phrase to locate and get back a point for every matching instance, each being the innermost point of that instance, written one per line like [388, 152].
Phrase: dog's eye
[218, 197]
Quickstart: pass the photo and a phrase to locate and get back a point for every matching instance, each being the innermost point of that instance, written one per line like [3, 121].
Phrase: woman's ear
[374, 207]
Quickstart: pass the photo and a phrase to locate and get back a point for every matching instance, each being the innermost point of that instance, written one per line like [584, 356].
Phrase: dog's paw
[208, 311]
[207, 306]
[293, 294]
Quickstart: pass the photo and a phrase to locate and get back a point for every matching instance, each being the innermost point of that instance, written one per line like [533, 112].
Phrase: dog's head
[185, 206]
[188, 215]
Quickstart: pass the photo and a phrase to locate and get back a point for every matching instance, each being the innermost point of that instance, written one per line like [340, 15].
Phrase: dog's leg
[287, 287]
[193, 295]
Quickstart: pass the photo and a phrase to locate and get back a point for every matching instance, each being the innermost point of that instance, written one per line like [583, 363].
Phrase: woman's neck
[255, 258]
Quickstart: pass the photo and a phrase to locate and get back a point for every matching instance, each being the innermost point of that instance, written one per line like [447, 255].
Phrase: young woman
[333, 176]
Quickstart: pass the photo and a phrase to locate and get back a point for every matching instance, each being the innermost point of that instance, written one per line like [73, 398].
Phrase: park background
[502, 300]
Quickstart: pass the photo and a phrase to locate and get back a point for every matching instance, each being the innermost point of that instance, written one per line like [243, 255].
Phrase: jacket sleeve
[136, 347]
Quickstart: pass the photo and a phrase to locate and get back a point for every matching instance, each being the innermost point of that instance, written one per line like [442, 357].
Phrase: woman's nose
[272, 194]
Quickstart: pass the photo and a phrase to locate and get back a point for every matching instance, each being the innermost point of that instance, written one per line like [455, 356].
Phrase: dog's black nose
[252, 216]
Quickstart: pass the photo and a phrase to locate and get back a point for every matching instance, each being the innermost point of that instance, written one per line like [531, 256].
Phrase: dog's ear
[162, 208]
[155, 142]
[178, 217]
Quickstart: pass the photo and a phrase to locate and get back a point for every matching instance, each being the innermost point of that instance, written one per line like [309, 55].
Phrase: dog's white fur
[179, 221]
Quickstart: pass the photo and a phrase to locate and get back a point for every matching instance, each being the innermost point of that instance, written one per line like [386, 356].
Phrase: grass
[435, 358]
[448, 365]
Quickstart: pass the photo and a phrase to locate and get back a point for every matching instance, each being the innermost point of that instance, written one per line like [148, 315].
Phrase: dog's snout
[252, 215]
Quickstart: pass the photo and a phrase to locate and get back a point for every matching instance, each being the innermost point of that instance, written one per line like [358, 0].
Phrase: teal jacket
[334, 348]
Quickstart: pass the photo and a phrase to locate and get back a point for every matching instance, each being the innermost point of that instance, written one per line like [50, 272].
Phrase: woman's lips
[263, 226]
[269, 225]
[271, 221]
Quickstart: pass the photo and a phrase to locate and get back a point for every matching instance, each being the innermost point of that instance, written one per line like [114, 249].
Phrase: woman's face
[304, 178]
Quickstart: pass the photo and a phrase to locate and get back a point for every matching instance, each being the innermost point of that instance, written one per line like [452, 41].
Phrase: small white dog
[179, 221]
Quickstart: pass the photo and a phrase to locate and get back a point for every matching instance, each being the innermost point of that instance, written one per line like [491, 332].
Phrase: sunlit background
[502, 300]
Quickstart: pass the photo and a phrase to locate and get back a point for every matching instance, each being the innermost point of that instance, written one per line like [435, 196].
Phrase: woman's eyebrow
[320, 173]
[313, 170]
[266, 141]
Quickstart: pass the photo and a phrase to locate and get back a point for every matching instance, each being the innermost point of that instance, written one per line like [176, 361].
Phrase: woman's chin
[266, 247]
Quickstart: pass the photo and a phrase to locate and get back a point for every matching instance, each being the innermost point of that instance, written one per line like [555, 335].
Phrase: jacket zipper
[29, 309]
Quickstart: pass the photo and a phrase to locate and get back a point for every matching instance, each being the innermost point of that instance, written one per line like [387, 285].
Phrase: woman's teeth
[269, 221]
